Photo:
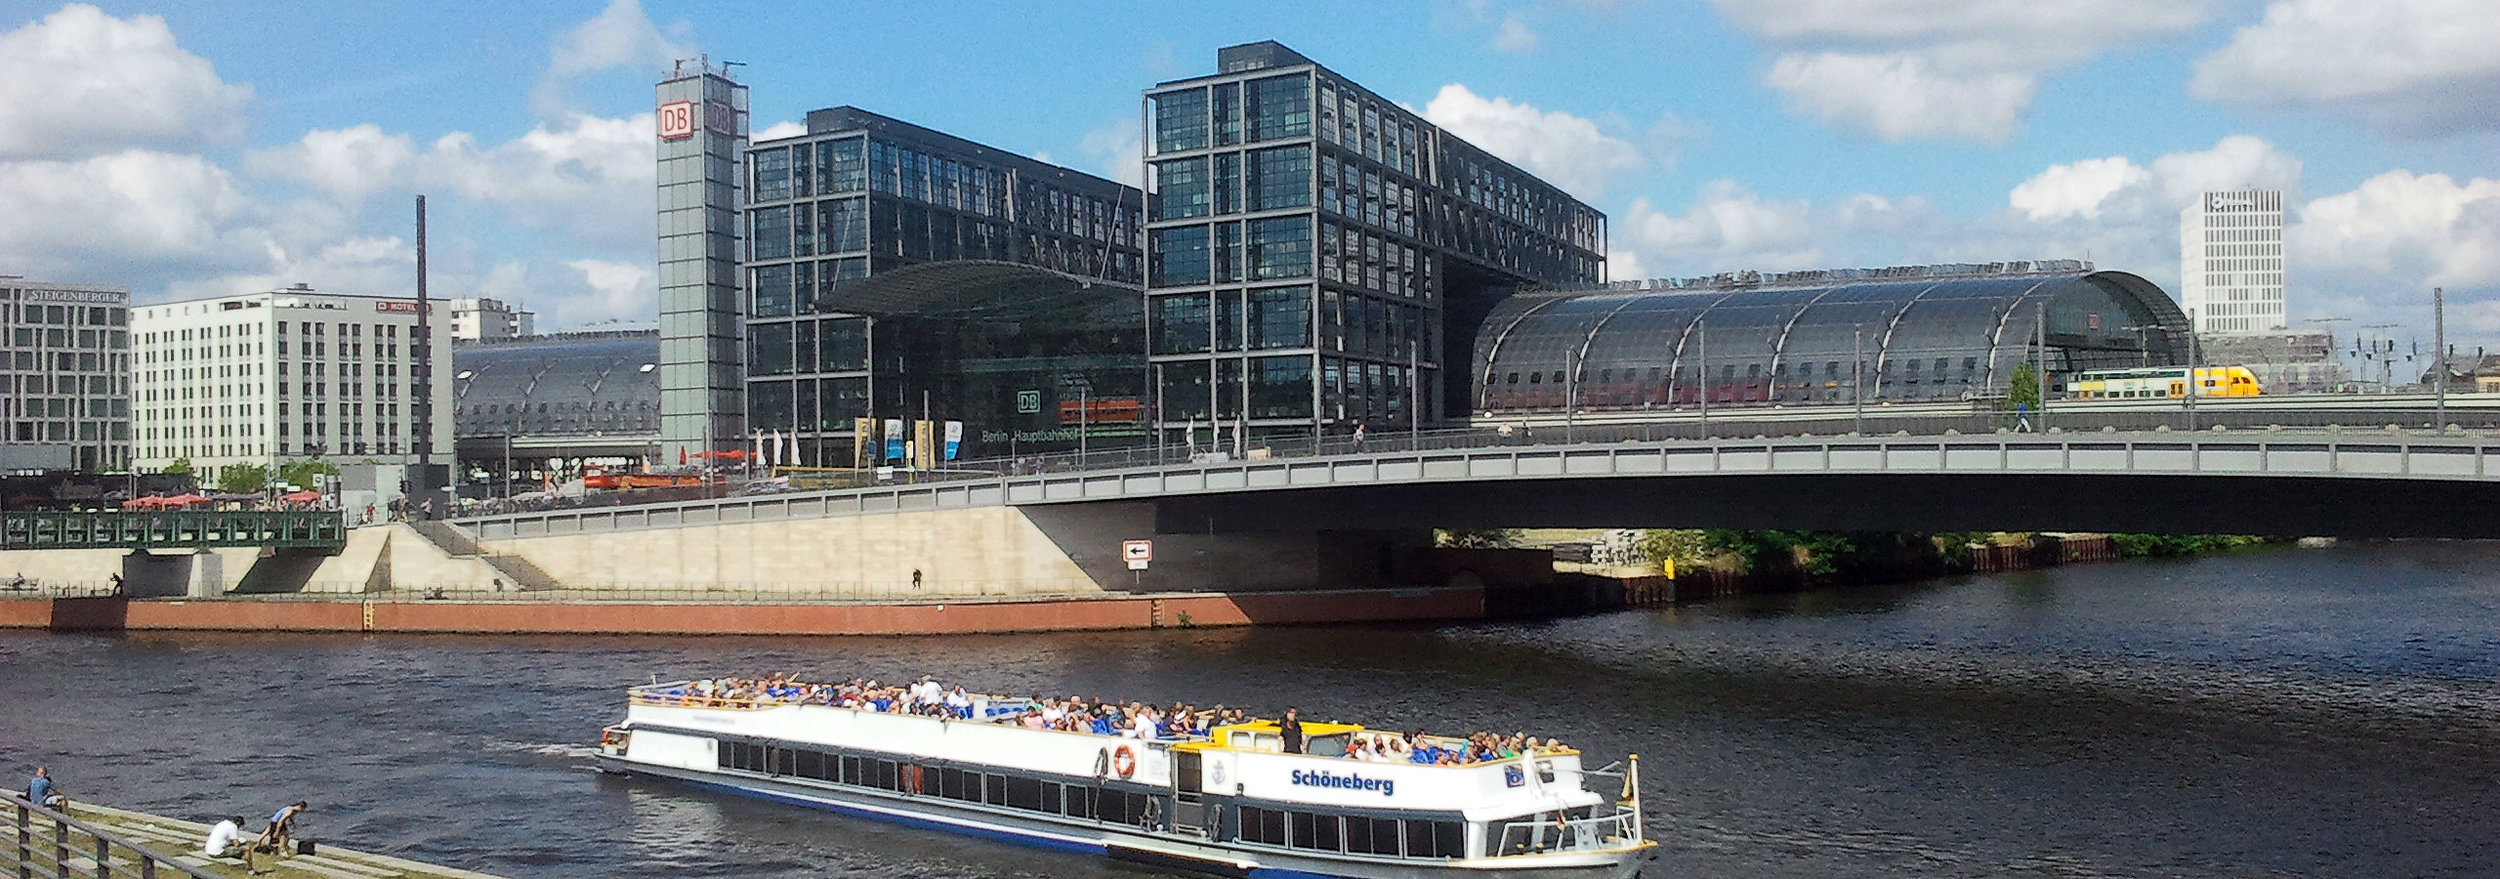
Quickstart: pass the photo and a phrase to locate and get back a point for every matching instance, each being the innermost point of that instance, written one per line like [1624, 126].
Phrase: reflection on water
[2291, 712]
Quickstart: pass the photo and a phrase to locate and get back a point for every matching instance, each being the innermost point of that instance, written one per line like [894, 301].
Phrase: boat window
[1024, 793]
[1328, 745]
[1435, 839]
[1371, 836]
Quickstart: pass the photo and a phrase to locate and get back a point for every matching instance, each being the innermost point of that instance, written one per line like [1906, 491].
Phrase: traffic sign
[1137, 553]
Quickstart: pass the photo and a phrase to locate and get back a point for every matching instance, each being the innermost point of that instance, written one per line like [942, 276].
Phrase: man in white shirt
[927, 692]
[228, 840]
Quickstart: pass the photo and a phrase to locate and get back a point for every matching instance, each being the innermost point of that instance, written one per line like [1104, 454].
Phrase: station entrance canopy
[978, 290]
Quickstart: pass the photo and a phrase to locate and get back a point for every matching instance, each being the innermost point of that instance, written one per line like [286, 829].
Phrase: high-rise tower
[702, 132]
[2231, 261]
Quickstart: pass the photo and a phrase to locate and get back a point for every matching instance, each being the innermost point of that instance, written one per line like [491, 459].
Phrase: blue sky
[209, 147]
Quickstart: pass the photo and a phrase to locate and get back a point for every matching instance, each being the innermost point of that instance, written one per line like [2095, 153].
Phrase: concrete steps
[457, 543]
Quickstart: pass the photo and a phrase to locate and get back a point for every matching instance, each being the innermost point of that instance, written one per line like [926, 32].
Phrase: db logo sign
[676, 120]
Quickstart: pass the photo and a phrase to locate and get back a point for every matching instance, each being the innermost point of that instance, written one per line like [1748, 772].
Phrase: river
[2285, 712]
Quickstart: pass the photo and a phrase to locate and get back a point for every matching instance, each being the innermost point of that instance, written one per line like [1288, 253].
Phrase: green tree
[1686, 547]
[242, 478]
[1484, 538]
[180, 465]
[2023, 388]
[1815, 554]
[300, 473]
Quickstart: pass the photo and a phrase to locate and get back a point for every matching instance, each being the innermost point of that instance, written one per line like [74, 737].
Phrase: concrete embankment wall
[1125, 612]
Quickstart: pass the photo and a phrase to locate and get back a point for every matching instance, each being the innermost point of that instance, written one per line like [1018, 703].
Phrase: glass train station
[1307, 257]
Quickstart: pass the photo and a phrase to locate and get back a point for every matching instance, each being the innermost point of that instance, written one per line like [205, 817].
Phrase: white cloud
[620, 37]
[779, 130]
[2411, 66]
[82, 82]
[1568, 151]
[1902, 96]
[77, 217]
[2076, 190]
[2417, 230]
[1117, 152]
[618, 291]
[592, 178]
[1955, 69]
[2236, 162]
[1515, 36]
[1727, 228]
[349, 163]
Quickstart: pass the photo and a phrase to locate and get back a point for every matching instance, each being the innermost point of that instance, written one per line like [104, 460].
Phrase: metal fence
[51, 844]
[286, 529]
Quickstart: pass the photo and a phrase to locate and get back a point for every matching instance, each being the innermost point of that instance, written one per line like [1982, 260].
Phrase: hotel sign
[392, 307]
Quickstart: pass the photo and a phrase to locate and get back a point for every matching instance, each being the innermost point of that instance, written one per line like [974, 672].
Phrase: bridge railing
[47, 843]
[282, 529]
[2265, 453]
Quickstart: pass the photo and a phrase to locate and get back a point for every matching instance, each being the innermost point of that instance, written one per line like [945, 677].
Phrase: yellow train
[2162, 381]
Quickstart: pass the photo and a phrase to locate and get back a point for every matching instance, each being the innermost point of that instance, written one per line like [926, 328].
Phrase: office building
[65, 371]
[1912, 333]
[895, 271]
[477, 320]
[702, 121]
[1317, 253]
[2231, 261]
[265, 378]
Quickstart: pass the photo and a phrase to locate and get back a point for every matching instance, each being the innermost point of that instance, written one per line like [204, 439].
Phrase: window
[772, 291]
[842, 225]
[1280, 387]
[768, 349]
[1182, 185]
[1282, 178]
[1280, 107]
[841, 166]
[1181, 120]
[1280, 317]
[1180, 256]
[1227, 107]
[772, 174]
[1280, 248]
[770, 237]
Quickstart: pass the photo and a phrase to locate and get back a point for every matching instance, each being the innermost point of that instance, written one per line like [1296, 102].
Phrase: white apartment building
[64, 376]
[266, 378]
[477, 320]
[2231, 261]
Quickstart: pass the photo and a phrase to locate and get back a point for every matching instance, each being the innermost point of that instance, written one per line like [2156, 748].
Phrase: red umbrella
[300, 497]
[186, 500]
[141, 503]
[681, 456]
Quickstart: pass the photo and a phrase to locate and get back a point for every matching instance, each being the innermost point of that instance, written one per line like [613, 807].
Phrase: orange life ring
[1124, 761]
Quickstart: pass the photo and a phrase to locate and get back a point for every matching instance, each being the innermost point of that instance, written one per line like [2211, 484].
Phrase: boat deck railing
[48, 843]
[1615, 831]
[669, 695]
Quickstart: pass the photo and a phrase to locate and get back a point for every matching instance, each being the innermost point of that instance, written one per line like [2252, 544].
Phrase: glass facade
[700, 309]
[862, 196]
[1318, 253]
[1816, 337]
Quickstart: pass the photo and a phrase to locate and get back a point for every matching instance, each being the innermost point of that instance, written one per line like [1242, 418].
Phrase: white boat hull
[1119, 842]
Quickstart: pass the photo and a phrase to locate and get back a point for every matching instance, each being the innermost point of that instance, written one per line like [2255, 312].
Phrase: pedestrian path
[172, 842]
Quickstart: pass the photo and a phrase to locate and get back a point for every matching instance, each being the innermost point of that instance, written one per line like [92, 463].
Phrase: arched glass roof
[1921, 334]
[575, 384]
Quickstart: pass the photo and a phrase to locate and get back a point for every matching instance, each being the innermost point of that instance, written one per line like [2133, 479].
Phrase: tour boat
[1231, 802]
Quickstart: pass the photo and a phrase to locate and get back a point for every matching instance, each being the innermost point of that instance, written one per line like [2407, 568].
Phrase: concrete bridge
[1363, 518]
